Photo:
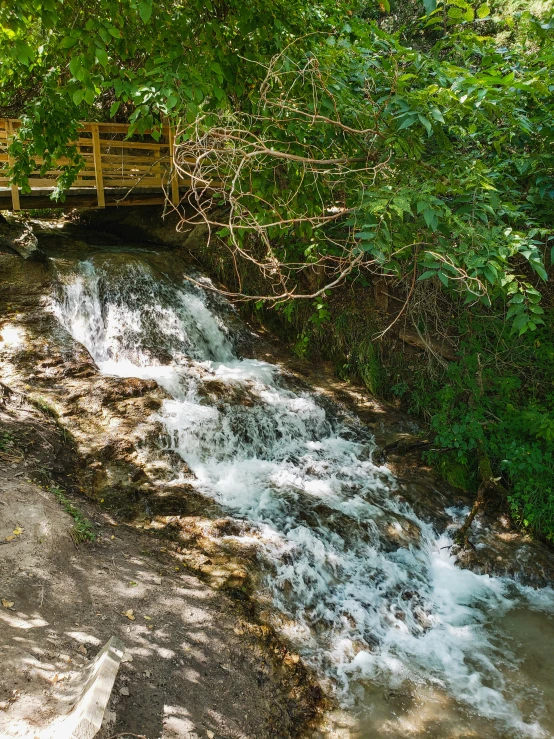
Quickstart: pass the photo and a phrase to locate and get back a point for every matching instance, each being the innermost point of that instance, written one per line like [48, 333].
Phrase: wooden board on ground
[86, 718]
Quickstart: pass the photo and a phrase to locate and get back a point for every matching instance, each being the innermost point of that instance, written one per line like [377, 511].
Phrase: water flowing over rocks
[267, 480]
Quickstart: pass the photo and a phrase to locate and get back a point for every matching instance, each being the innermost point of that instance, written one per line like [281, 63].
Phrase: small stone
[82, 649]
[124, 691]
[127, 657]
[210, 734]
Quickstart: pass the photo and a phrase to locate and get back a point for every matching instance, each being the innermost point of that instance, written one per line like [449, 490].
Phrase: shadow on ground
[194, 666]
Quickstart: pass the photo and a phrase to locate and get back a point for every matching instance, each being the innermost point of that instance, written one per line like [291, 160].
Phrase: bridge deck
[118, 169]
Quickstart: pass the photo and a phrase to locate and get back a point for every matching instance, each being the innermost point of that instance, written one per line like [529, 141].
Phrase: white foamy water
[366, 590]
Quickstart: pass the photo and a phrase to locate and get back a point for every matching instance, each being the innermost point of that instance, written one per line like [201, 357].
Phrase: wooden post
[174, 174]
[85, 719]
[98, 165]
[14, 188]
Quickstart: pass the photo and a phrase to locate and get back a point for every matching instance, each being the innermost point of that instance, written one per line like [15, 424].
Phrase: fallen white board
[91, 706]
[85, 718]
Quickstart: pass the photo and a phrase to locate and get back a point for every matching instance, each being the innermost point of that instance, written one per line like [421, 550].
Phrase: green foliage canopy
[441, 163]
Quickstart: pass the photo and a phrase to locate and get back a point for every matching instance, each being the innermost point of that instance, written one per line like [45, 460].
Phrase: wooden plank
[109, 181]
[64, 160]
[98, 166]
[35, 182]
[138, 145]
[149, 183]
[109, 156]
[130, 162]
[130, 166]
[50, 173]
[152, 200]
[111, 127]
[42, 181]
[14, 188]
[130, 177]
[15, 123]
[85, 719]
[114, 143]
[121, 128]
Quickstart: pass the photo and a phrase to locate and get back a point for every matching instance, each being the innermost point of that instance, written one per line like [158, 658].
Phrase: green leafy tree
[363, 154]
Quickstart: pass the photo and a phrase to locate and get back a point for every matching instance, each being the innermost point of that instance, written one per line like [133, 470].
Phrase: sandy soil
[194, 668]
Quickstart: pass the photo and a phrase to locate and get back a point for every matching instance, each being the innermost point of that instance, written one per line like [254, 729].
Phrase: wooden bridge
[119, 170]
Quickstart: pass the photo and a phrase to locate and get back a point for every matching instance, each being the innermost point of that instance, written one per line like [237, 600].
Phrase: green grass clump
[45, 407]
[6, 441]
[82, 530]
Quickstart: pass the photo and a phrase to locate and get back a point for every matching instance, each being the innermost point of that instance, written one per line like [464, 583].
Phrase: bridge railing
[112, 160]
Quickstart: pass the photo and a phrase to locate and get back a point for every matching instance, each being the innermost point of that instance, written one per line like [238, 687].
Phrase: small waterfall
[363, 589]
[126, 315]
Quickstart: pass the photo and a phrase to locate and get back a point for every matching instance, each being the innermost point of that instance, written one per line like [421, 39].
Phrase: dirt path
[197, 667]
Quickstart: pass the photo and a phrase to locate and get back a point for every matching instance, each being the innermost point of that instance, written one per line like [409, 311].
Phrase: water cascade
[362, 588]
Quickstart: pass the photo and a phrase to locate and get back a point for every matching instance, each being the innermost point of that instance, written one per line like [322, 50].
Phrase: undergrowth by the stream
[497, 395]
[82, 530]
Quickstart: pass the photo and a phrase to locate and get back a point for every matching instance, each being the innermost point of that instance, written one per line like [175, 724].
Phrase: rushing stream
[366, 592]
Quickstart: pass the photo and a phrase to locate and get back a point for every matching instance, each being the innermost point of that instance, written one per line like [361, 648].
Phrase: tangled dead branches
[288, 187]
[264, 181]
